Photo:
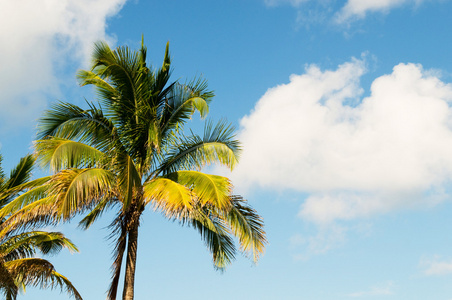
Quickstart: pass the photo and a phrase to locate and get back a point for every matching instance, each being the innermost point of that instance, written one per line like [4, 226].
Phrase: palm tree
[18, 266]
[131, 151]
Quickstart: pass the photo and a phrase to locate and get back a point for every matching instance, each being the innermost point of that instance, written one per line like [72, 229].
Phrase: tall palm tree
[130, 151]
[18, 266]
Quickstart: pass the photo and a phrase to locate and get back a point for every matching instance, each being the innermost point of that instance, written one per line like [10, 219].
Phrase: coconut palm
[131, 151]
[18, 265]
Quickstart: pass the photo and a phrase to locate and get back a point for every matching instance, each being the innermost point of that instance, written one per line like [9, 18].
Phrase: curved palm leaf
[68, 121]
[79, 189]
[247, 226]
[39, 272]
[207, 188]
[60, 154]
[217, 145]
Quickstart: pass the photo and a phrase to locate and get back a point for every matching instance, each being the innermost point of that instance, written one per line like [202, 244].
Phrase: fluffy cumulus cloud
[354, 156]
[38, 38]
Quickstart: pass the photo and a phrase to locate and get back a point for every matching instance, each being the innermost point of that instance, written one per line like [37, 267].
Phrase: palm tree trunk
[129, 280]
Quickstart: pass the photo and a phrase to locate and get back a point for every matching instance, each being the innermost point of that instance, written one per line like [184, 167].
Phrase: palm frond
[207, 188]
[39, 272]
[17, 180]
[69, 121]
[59, 154]
[167, 196]
[40, 213]
[215, 234]
[24, 199]
[247, 226]
[104, 204]
[79, 189]
[7, 284]
[181, 103]
[24, 245]
[217, 146]
[22, 172]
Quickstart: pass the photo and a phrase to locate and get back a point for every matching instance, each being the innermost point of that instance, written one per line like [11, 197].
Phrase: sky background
[344, 112]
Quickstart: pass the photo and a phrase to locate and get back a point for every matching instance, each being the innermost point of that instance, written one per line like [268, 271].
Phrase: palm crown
[130, 151]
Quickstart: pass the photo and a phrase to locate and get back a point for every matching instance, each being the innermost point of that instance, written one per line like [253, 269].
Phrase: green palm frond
[104, 204]
[181, 104]
[39, 272]
[25, 244]
[22, 172]
[68, 121]
[60, 154]
[217, 146]
[215, 234]
[247, 226]
[17, 181]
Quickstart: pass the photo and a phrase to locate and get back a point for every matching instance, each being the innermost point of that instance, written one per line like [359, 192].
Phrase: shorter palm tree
[18, 265]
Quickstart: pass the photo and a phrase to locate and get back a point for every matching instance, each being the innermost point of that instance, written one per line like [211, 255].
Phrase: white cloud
[311, 11]
[385, 289]
[435, 266]
[355, 157]
[38, 39]
[357, 9]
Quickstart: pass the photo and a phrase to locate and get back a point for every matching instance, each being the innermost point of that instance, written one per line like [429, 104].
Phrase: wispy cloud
[354, 156]
[385, 289]
[436, 266]
[39, 39]
[324, 240]
[352, 10]
[358, 9]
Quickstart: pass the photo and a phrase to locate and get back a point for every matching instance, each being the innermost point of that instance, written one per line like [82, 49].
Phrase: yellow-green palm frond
[167, 196]
[79, 189]
[59, 154]
[24, 199]
[39, 272]
[207, 188]
[40, 213]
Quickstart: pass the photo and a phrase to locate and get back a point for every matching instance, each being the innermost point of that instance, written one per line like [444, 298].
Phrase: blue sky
[344, 112]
